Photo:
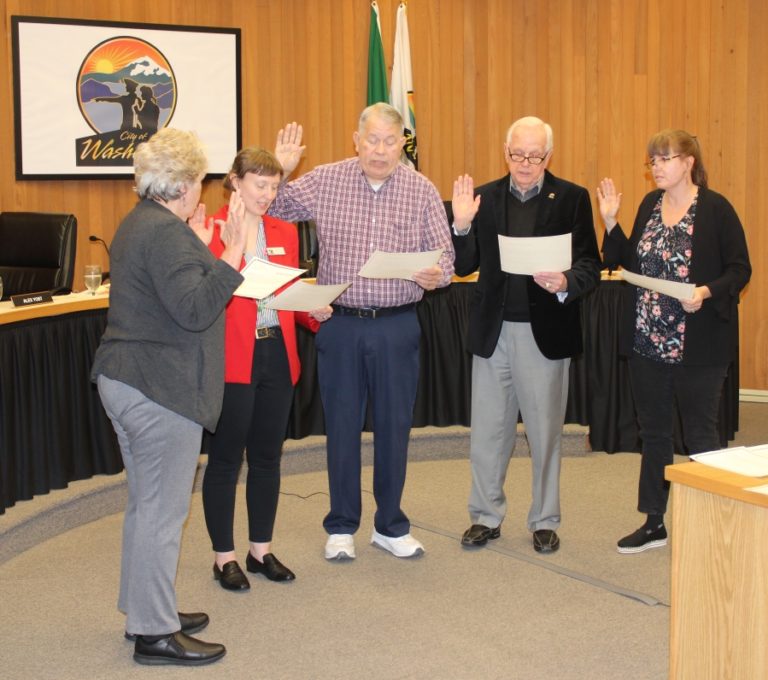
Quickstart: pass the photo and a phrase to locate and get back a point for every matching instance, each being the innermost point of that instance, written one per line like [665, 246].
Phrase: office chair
[37, 252]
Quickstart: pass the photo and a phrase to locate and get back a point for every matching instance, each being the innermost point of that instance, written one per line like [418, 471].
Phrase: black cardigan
[720, 261]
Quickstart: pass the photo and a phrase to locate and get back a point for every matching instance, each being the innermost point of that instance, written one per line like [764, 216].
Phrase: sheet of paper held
[383, 265]
[675, 289]
[263, 278]
[751, 461]
[532, 254]
[304, 297]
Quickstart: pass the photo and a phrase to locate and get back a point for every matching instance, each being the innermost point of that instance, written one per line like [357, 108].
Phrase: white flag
[401, 92]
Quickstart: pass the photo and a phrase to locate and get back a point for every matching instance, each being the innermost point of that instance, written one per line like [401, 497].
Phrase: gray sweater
[165, 326]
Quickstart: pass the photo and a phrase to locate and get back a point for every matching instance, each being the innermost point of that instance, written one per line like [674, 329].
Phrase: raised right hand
[288, 148]
[608, 201]
[464, 204]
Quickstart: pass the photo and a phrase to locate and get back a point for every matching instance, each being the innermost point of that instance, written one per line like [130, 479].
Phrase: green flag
[377, 71]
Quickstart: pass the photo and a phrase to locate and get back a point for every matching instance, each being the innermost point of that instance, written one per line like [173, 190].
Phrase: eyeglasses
[661, 160]
[532, 160]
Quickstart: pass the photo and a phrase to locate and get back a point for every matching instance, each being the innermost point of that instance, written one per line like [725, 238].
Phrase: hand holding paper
[263, 278]
[306, 297]
[675, 289]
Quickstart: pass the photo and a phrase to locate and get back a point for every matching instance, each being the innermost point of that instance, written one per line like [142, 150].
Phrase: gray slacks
[517, 378]
[160, 450]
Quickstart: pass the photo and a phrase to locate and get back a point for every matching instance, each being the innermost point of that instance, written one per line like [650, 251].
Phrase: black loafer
[190, 623]
[176, 648]
[271, 567]
[479, 534]
[545, 541]
[231, 576]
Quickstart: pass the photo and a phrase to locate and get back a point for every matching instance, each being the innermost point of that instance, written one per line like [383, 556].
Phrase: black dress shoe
[479, 534]
[545, 541]
[190, 623]
[176, 648]
[272, 568]
[231, 576]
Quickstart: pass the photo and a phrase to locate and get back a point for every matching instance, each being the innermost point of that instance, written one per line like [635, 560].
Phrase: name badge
[26, 299]
[279, 250]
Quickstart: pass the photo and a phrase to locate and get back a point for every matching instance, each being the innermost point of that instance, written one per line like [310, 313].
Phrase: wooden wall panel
[605, 73]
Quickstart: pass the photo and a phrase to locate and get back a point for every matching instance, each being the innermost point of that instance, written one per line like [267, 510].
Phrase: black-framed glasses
[660, 160]
[532, 160]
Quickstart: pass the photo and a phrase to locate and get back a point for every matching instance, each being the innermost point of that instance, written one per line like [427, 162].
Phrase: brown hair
[256, 160]
[670, 142]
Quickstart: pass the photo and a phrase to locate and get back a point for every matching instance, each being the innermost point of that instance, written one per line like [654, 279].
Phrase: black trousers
[656, 388]
[254, 417]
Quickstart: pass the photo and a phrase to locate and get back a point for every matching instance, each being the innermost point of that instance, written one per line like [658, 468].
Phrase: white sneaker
[400, 546]
[340, 547]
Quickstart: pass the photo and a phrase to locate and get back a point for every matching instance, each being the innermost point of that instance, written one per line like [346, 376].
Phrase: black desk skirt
[53, 429]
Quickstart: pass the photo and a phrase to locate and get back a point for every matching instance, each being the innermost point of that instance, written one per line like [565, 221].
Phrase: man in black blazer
[522, 329]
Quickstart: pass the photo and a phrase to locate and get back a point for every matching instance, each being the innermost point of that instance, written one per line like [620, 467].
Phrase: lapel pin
[551, 196]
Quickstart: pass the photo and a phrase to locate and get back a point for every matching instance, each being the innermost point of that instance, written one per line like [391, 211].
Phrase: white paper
[675, 289]
[263, 278]
[383, 265]
[533, 254]
[751, 461]
[763, 489]
[305, 297]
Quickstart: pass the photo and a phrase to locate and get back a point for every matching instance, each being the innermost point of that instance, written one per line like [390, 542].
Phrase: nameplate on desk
[26, 299]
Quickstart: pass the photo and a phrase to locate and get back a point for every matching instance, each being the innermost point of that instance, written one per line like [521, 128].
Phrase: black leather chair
[37, 252]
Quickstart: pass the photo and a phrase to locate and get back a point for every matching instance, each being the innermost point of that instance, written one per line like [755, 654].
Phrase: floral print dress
[663, 253]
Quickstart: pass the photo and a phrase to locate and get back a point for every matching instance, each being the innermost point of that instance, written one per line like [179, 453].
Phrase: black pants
[656, 387]
[254, 417]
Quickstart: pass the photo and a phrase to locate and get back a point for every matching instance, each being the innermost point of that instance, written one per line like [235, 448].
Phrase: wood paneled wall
[605, 73]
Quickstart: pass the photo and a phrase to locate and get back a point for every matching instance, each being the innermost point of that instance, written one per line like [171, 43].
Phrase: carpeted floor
[503, 611]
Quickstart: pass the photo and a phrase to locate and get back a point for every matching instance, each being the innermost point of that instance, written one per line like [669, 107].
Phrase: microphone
[94, 239]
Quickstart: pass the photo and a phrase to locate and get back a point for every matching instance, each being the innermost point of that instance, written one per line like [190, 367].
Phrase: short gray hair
[381, 110]
[167, 162]
[532, 121]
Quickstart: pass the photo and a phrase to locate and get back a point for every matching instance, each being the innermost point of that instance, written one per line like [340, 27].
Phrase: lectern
[719, 617]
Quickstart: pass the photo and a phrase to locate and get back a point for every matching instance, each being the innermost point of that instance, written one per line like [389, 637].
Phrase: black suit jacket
[564, 207]
[719, 260]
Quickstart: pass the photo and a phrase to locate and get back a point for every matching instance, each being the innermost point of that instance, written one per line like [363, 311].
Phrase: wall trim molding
[760, 396]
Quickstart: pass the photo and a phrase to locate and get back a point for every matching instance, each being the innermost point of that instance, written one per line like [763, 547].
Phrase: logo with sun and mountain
[127, 91]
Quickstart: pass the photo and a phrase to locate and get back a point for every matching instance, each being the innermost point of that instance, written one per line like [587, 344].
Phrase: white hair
[532, 121]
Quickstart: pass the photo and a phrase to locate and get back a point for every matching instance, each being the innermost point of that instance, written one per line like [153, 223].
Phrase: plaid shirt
[406, 214]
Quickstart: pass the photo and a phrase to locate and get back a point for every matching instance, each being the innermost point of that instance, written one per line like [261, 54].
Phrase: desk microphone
[94, 239]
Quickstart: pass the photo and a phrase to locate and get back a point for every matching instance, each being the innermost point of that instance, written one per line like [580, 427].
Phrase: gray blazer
[165, 326]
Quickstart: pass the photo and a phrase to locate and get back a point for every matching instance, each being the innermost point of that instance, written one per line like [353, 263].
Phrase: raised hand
[464, 203]
[608, 201]
[288, 148]
[234, 232]
[202, 227]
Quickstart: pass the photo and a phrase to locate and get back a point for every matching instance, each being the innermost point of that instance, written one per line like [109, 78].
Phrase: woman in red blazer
[261, 368]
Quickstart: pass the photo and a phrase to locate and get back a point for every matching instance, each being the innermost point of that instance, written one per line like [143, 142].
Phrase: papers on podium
[383, 265]
[262, 278]
[305, 297]
[675, 289]
[532, 254]
[751, 461]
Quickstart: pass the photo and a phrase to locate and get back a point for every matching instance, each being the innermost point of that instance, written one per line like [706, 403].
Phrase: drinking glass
[92, 277]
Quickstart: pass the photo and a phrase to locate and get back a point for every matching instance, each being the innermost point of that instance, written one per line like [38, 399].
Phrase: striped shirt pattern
[353, 220]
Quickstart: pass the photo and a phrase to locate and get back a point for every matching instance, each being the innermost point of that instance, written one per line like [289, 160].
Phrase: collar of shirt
[525, 195]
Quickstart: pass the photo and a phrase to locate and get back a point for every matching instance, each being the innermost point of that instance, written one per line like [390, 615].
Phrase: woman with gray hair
[160, 373]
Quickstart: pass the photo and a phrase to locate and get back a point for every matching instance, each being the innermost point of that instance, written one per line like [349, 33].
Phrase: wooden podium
[719, 617]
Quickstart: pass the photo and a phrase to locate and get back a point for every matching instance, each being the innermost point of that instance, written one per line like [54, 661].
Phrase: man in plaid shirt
[368, 352]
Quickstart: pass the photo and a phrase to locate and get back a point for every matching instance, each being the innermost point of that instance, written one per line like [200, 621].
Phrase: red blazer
[240, 316]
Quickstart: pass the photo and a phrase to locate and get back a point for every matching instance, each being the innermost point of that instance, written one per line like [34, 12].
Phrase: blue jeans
[656, 387]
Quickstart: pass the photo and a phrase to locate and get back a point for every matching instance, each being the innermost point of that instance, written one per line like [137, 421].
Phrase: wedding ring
[547, 284]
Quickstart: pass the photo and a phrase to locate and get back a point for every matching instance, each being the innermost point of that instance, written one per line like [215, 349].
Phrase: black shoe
[545, 541]
[190, 623]
[271, 567]
[176, 648]
[643, 539]
[479, 534]
[231, 576]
